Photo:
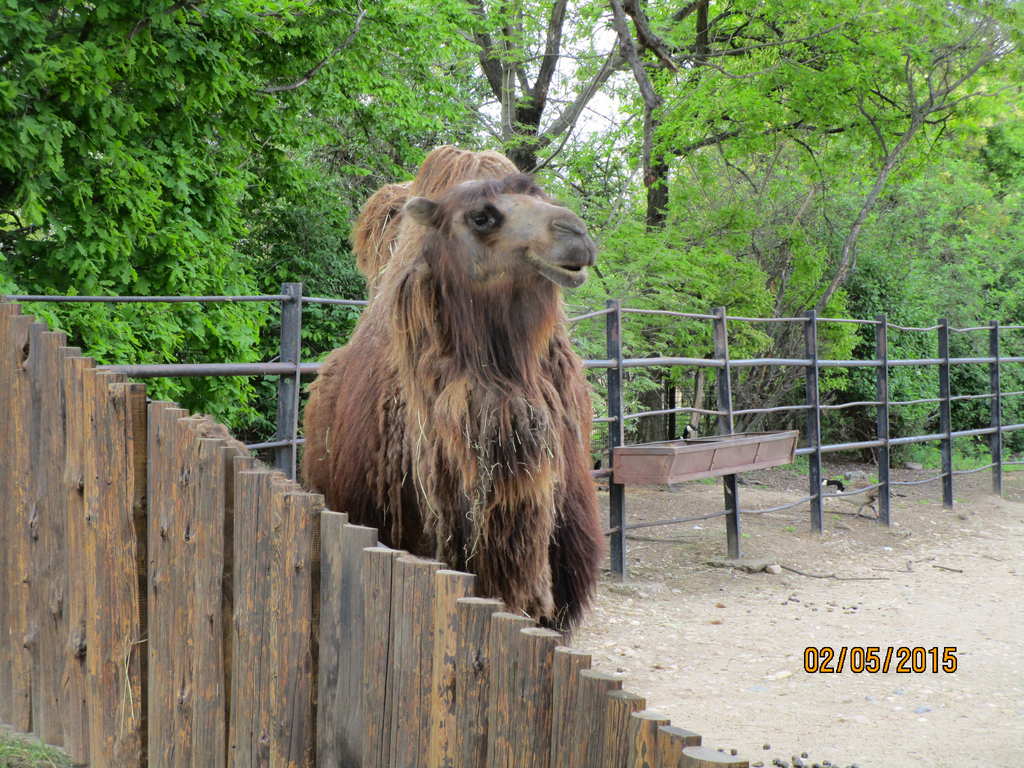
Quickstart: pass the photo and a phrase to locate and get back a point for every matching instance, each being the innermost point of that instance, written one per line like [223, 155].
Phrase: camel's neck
[500, 332]
[488, 331]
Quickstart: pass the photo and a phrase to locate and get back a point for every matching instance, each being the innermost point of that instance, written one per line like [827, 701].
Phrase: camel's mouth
[567, 276]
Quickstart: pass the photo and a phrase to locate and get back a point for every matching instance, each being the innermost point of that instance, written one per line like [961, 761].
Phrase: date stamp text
[827, 659]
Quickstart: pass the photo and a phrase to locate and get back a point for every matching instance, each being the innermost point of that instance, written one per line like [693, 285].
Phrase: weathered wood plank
[114, 685]
[47, 554]
[75, 710]
[472, 679]
[566, 667]
[705, 757]
[236, 459]
[643, 739]
[16, 677]
[291, 684]
[340, 683]
[378, 568]
[449, 588]
[210, 734]
[531, 705]
[588, 719]
[7, 501]
[671, 742]
[412, 657]
[169, 589]
[248, 734]
[502, 730]
[620, 707]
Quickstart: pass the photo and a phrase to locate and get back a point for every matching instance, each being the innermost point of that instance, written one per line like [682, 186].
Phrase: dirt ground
[721, 651]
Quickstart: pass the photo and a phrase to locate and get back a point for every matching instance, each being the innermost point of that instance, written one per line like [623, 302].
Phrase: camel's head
[507, 230]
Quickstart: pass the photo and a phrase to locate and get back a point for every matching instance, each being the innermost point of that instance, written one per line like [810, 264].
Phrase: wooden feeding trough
[673, 461]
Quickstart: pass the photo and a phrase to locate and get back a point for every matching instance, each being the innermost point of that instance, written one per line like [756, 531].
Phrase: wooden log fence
[166, 600]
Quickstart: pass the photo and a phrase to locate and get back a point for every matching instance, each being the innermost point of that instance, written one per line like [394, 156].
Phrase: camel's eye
[486, 219]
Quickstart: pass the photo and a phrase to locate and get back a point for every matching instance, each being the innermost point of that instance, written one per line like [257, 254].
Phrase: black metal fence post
[285, 456]
[813, 421]
[945, 415]
[995, 440]
[616, 491]
[725, 427]
[882, 419]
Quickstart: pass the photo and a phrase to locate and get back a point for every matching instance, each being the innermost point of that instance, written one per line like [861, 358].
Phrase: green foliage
[147, 150]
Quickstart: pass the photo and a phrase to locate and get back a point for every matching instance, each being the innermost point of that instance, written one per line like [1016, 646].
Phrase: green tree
[144, 147]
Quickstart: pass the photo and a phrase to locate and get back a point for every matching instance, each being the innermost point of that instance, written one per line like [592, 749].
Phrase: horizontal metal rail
[276, 297]
[852, 492]
[931, 479]
[667, 312]
[341, 302]
[184, 370]
[972, 471]
[840, 406]
[778, 508]
[588, 315]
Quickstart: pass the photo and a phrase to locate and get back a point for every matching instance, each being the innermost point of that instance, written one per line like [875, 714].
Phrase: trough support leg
[813, 422]
[732, 520]
[726, 427]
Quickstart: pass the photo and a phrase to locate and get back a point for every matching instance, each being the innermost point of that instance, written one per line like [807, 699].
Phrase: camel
[378, 224]
[457, 419]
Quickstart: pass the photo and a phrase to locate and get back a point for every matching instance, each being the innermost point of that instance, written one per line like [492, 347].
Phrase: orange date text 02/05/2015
[872, 658]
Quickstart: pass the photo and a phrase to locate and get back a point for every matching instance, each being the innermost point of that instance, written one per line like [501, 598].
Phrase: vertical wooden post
[410, 673]
[671, 743]
[113, 622]
[286, 456]
[75, 710]
[340, 685]
[945, 415]
[813, 421]
[531, 706]
[473, 662]
[16, 661]
[449, 588]
[588, 720]
[618, 713]
[378, 568]
[730, 486]
[995, 440]
[502, 730]
[567, 666]
[643, 739]
[48, 577]
[705, 757]
[616, 432]
[882, 419]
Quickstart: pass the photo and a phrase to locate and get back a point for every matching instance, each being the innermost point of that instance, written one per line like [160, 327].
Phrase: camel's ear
[421, 210]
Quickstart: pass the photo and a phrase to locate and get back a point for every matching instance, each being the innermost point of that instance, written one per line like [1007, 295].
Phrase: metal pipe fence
[290, 369]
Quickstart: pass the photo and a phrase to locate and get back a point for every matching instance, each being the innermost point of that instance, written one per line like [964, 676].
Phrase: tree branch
[311, 73]
[143, 23]
[645, 35]
[571, 113]
[651, 99]
[552, 49]
[488, 63]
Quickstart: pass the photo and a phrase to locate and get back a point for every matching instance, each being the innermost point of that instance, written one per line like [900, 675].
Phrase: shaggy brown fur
[457, 419]
[380, 220]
